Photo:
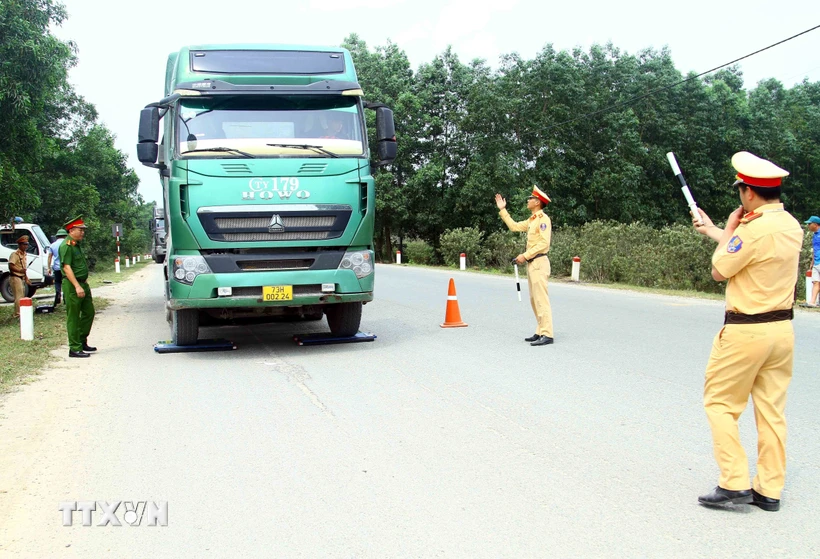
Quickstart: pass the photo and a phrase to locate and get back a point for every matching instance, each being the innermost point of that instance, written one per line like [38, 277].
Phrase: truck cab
[37, 257]
[268, 187]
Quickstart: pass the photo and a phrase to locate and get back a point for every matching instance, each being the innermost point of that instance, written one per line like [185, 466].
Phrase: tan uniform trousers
[749, 359]
[538, 273]
[18, 289]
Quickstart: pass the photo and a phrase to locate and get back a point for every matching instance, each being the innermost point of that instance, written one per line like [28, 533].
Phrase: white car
[38, 272]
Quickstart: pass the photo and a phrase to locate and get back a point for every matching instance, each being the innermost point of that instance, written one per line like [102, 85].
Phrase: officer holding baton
[539, 233]
[758, 253]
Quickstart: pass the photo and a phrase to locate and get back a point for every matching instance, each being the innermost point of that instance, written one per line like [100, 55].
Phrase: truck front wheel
[344, 318]
[185, 326]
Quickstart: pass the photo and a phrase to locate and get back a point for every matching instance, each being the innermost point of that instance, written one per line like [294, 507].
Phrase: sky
[123, 46]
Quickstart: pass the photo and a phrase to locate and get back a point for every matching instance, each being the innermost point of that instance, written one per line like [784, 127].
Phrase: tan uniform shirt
[538, 228]
[17, 262]
[761, 261]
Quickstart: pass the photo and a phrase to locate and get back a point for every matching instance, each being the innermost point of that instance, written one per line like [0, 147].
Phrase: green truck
[268, 185]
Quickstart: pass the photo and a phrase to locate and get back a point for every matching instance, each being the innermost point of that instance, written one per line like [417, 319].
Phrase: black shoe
[87, 347]
[543, 340]
[765, 503]
[78, 354]
[720, 497]
[532, 338]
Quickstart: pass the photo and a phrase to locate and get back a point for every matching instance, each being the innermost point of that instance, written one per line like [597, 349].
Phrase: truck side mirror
[385, 135]
[147, 149]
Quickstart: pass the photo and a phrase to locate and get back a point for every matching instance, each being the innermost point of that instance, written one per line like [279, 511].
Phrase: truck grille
[276, 222]
[255, 237]
[270, 265]
[232, 223]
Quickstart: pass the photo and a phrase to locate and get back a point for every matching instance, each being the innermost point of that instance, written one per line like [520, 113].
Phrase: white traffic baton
[517, 281]
[693, 207]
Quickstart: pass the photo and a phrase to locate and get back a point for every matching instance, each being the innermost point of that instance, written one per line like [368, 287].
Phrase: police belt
[536, 256]
[772, 316]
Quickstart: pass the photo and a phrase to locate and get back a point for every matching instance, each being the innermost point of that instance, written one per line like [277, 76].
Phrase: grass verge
[21, 359]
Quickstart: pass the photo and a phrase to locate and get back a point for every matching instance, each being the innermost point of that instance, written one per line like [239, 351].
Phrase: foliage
[56, 160]
[418, 252]
[502, 247]
[468, 240]
[466, 131]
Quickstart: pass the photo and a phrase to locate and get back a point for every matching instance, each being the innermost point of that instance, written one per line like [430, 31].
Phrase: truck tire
[5, 289]
[344, 318]
[159, 258]
[185, 327]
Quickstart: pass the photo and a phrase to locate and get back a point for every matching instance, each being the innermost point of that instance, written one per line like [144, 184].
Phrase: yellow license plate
[277, 293]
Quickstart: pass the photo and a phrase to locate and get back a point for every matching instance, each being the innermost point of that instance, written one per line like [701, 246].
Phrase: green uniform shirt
[72, 254]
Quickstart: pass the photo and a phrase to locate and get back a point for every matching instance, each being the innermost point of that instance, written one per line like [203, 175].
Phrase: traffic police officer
[79, 305]
[753, 353]
[18, 270]
[539, 233]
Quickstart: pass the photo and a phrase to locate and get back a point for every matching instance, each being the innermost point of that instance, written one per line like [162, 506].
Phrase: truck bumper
[247, 289]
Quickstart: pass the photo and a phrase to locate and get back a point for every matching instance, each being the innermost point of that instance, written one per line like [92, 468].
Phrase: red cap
[25, 302]
[755, 171]
[76, 222]
[540, 194]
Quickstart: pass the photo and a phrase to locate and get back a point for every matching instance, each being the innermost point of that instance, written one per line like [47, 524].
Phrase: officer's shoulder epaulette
[71, 242]
[750, 216]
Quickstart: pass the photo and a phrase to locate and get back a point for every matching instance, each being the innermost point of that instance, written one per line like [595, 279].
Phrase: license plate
[277, 293]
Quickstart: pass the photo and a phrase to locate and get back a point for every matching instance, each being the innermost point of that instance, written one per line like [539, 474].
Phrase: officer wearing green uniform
[79, 305]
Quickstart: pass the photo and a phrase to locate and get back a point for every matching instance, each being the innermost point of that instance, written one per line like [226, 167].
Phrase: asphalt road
[428, 442]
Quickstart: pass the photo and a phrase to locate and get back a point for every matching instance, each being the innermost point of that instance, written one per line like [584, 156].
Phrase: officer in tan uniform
[18, 272]
[758, 253]
[539, 232]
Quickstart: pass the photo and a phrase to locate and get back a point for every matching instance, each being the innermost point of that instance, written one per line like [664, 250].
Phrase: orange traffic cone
[452, 318]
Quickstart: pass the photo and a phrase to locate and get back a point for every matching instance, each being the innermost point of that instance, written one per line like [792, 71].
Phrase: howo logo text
[268, 189]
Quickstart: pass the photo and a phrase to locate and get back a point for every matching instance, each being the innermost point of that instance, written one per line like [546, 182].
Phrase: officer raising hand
[539, 232]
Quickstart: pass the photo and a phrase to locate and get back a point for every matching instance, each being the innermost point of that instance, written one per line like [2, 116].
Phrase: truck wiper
[222, 149]
[305, 146]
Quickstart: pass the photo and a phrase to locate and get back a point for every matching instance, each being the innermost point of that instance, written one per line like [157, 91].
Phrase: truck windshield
[160, 224]
[251, 124]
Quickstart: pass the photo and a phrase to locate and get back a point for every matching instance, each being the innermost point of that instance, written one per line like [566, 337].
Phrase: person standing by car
[54, 265]
[18, 270]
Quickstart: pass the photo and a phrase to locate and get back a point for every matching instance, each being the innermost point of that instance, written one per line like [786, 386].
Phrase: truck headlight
[187, 268]
[360, 261]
